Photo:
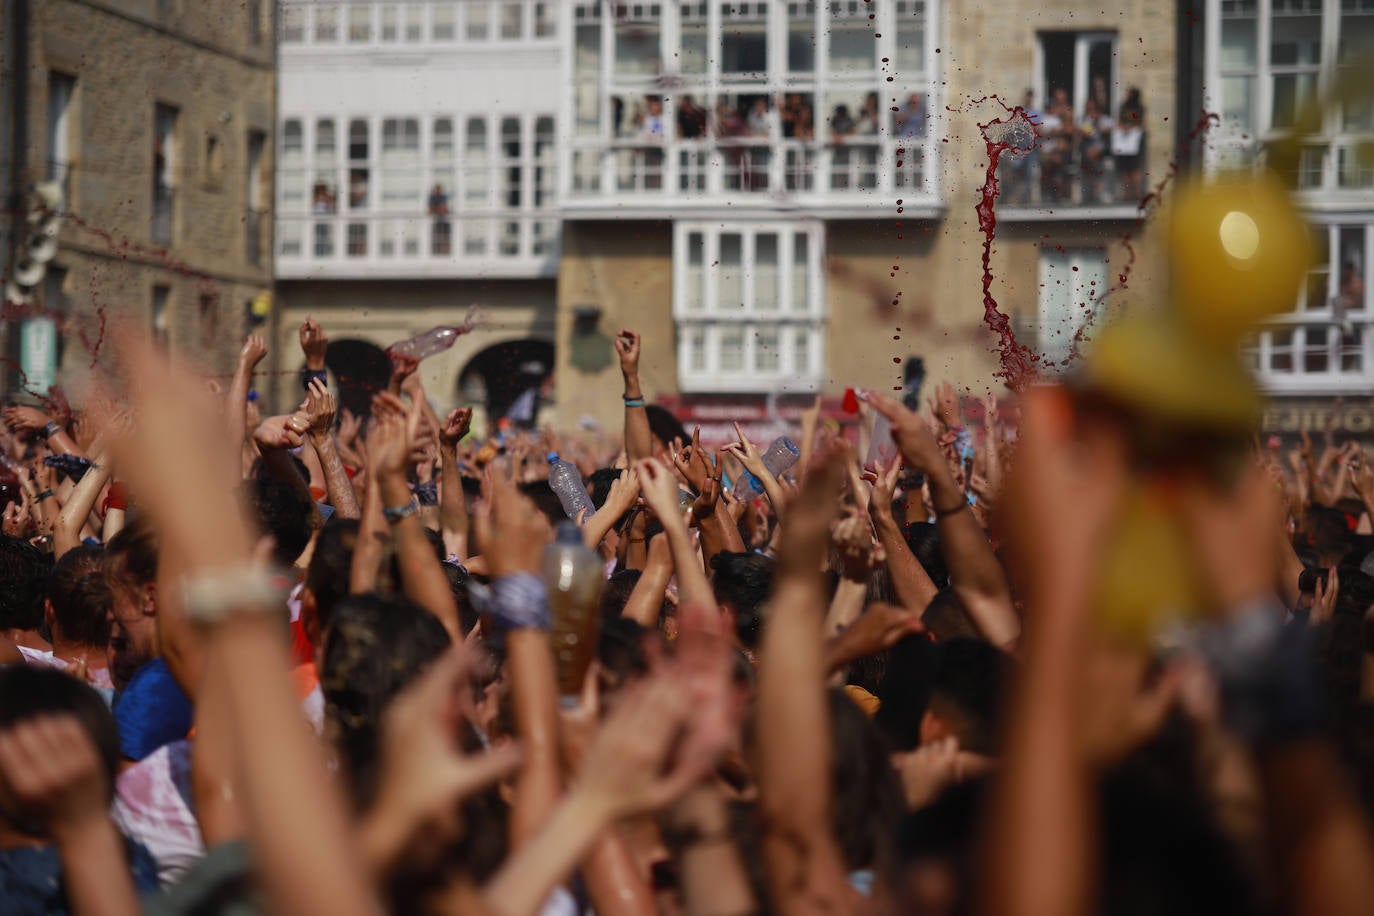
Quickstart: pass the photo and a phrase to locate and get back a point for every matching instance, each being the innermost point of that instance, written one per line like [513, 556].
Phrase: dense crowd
[306, 664]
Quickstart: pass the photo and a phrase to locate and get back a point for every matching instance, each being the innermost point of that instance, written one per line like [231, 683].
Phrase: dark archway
[361, 369]
[498, 376]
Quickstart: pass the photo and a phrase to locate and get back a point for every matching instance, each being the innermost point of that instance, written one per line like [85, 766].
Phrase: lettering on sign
[1355, 419]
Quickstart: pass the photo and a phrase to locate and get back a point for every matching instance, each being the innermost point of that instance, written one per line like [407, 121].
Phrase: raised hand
[52, 774]
[402, 368]
[1324, 599]
[624, 493]
[18, 515]
[319, 409]
[511, 531]
[878, 629]
[805, 536]
[252, 352]
[859, 553]
[692, 462]
[455, 427]
[388, 446]
[314, 343]
[659, 487]
[911, 433]
[885, 487]
[746, 452]
[283, 431]
[934, 767]
[945, 405]
[627, 347]
[23, 419]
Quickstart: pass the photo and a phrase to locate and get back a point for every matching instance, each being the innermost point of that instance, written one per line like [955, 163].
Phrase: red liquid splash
[1015, 135]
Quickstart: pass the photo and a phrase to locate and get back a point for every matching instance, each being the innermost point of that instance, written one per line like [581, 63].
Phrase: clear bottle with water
[567, 485]
[779, 458]
[573, 577]
[435, 340]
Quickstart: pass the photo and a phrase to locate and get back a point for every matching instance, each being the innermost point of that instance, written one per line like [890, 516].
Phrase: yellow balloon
[1239, 251]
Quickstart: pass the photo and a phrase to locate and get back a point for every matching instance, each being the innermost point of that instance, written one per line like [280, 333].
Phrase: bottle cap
[552, 457]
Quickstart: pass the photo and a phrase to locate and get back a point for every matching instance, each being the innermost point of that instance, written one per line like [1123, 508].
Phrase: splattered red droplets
[1014, 135]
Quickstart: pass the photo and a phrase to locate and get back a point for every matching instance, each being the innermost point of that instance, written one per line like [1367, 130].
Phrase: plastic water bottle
[435, 340]
[881, 447]
[567, 484]
[779, 458]
[573, 577]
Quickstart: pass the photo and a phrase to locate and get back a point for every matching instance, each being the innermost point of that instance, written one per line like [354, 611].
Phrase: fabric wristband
[117, 497]
[211, 597]
[520, 602]
[427, 493]
[634, 402]
[50, 430]
[395, 513]
[310, 375]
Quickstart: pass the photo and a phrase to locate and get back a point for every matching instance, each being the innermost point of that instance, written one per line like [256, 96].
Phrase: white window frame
[1236, 144]
[404, 16]
[712, 319]
[668, 173]
[1297, 380]
[1078, 92]
[1074, 259]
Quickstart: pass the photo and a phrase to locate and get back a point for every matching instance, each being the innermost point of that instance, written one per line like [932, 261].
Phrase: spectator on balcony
[691, 119]
[652, 125]
[728, 121]
[1022, 166]
[791, 106]
[869, 116]
[841, 122]
[322, 200]
[805, 127]
[1128, 145]
[440, 242]
[911, 119]
[438, 201]
[1094, 133]
[1351, 295]
[760, 118]
[1056, 146]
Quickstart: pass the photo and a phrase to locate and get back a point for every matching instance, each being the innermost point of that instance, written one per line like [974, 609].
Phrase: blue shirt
[31, 879]
[151, 711]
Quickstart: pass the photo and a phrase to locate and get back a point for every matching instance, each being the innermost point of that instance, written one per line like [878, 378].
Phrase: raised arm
[909, 578]
[748, 455]
[974, 573]
[250, 354]
[67, 532]
[624, 492]
[320, 408]
[422, 577]
[638, 439]
[660, 492]
[453, 508]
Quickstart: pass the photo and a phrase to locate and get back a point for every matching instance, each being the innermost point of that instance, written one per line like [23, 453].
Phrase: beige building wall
[127, 56]
[930, 268]
[382, 312]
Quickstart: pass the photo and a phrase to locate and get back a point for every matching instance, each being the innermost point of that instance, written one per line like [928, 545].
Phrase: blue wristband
[520, 602]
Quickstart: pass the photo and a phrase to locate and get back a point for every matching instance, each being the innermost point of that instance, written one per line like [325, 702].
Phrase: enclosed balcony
[757, 106]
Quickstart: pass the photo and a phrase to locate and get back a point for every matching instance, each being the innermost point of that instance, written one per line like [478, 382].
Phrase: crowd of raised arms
[303, 664]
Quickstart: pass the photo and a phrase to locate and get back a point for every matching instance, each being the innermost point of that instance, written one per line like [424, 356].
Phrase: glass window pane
[443, 25]
[415, 23]
[852, 47]
[1316, 349]
[1350, 289]
[1296, 41]
[326, 23]
[291, 141]
[587, 79]
[911, 39]
[637, 41]
[767, 344]
[729, 279]
[1238, 44]
[1281, 350]
[696, 349]
[801, 351]
[692, 55]
[1292, 93]
[443, 140]
[389, 29]
[545, 23]
[292, 24]
[801, 274]
[693, 293]
[801, 37]
[478, 21]
[766, 272]
[743, 38]
[512, 19]
[732, 349]
[359, 23]
[1238, 100]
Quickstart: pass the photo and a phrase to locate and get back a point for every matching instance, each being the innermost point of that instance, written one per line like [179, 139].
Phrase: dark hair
[967, 691]
[924, 540]
[867, 798]
[376, 646]
[23, 570]
[330, 564]
[743, 581]
[616, 593]
[458, 578]
[284, 513]
[545, 500]
[131, 556]
[26, 692]
[620, 649]
[946, 618]
[600, 484]
[80, 596]
[905, 691]
[664, 425]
